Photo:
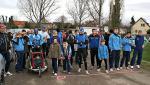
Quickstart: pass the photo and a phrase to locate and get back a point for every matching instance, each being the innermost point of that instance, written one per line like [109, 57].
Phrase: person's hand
[143, 46]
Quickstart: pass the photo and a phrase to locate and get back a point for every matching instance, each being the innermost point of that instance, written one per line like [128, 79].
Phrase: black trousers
[105, 61]
[94, 54]
[126, 58]
[82, 55]
[54, 65]
[115, 58]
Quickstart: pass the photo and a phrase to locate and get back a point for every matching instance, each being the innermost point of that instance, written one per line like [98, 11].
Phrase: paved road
[124, 77]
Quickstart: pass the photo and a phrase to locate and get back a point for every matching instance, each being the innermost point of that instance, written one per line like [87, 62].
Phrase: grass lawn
[146, 57]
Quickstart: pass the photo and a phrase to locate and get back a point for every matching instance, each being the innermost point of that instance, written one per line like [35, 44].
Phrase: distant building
[20, 24]
[140, 24]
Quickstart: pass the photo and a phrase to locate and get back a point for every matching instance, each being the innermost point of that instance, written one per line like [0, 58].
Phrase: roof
[20, 23]
[139, 20]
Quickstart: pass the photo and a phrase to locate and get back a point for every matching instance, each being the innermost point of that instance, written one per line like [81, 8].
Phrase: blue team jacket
[103, 52]
[126, 43]
[19, 44]
[115, 42]
[37, 40]
[94, 41]
[81, 39]
[139, 41]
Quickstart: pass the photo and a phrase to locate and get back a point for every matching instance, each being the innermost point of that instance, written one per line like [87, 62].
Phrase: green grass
[146, 57]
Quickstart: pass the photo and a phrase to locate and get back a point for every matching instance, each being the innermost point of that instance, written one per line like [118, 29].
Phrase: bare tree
[62, 19]
[95, 10]
[116, 7]
[78, 11]
[36, 10]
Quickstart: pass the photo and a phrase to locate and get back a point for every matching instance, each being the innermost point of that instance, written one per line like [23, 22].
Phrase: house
[140, 24]
[20, 24]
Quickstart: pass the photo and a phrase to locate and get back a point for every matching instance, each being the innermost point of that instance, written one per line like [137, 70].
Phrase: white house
[140, 24]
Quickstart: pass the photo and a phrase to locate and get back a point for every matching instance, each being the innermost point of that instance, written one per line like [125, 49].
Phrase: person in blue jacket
[103, 54]
[20, 51]
[115, 47]
[138, 49]
[126, 43]
[94, 43]
[82, 41]
[36, 41]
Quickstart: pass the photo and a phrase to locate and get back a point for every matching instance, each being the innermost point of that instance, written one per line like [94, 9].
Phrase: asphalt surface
[123, 77]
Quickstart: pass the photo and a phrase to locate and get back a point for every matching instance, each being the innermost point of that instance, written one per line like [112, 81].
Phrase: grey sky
[137, 8]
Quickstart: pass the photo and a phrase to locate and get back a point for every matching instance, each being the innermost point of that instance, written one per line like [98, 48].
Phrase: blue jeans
[20, 60]
[54, 65]
[66, 64]
[137, 51]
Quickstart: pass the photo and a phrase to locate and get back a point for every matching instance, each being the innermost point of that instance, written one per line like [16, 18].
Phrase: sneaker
[118, 69]
[107, 71]
[98, 70]
[9, 74]
[5, 75]
[87, 72]
[121, 68]
[138, 66]
[69, 73]
[132, 67]
[55, 74]
[111, 70]
[79, 70]
[127, 68]
[64, 71]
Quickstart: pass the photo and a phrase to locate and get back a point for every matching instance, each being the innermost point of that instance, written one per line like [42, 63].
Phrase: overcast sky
[136, 8]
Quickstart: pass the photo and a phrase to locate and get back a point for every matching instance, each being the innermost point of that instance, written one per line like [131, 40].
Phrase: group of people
[65, 49]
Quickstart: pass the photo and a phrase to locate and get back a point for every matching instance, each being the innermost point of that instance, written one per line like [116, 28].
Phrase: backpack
[71, 39]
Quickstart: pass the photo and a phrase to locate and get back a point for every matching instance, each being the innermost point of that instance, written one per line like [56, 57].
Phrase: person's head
[116, 30]
[81, 31]
[100, 31]
[2, 28]
[76, 32]
[36, 31]
[103, 42]
[140, 32]
[70, 32]
[128, 34]
[23, 32]
[65, 44]
[94, 31]
[19, 34]
[43, 29]
[111, 31]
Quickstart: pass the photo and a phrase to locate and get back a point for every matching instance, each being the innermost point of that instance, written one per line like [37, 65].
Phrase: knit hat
[81, 30]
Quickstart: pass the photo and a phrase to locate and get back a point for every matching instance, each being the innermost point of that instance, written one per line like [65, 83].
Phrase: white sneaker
[138, 66]
[127, 68]
[118, 69]
[98, 70]
[79, 70]
[132, 67]
[87, 72]
[107, 71]
[121, 68]
[9, 74]
[55, 74]
[111, 70]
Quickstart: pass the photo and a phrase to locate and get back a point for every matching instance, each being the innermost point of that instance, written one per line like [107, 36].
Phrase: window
[142, 25]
